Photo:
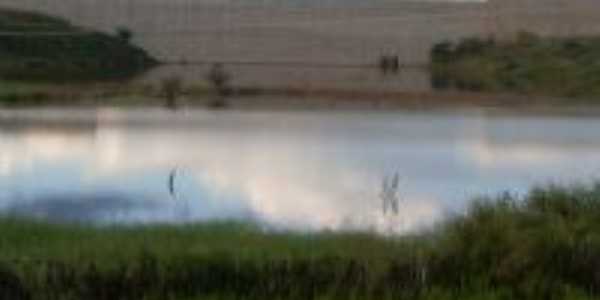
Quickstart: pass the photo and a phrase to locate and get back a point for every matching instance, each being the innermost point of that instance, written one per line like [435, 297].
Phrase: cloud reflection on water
[300, 171]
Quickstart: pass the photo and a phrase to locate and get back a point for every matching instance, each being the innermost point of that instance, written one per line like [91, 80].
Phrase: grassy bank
[543, 246]
[35, 47]
[16, 94]
[529, 64]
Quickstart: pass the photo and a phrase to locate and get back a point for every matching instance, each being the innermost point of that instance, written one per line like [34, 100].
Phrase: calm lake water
[300, 170]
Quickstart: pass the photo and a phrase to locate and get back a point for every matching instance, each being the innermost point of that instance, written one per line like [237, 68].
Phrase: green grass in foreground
[529, 64]
[30, 50]
[543, 246]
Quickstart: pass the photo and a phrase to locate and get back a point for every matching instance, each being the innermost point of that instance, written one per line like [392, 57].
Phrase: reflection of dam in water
[341, 32]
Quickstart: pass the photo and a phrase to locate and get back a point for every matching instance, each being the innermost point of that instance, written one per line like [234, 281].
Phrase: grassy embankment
[529, 64]
[37, 52]
[543, 246]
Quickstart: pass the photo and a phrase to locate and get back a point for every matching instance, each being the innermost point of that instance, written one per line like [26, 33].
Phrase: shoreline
[291, 99]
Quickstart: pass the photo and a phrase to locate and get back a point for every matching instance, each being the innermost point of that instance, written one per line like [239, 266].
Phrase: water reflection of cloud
[534, 155]
[272, 176]
[84, 208]
[301, 171]
[20, 153]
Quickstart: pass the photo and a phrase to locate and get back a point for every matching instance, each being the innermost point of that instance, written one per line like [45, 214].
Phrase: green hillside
[529, 64]
[35, 47]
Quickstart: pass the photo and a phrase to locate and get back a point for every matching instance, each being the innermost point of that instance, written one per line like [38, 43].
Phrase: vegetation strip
[39, 48]
[529, 64]
[545, 245]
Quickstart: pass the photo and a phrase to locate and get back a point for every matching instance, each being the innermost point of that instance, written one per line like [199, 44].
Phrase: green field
[545, 245]
[528, 64]
[39, 48]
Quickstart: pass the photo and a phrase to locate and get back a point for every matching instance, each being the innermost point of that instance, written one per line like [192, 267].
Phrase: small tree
[389, 64]
[220, 80]
[171, 89]
[442, 52]
[527, 39]
[124, 34]
[471, 46]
